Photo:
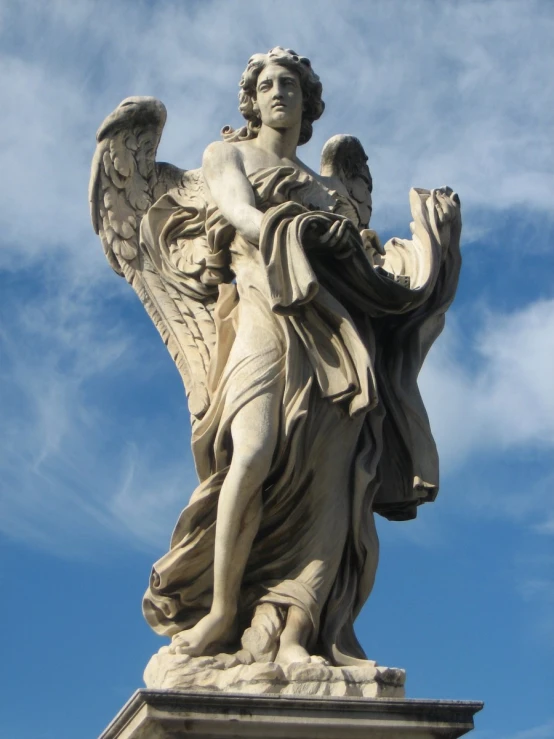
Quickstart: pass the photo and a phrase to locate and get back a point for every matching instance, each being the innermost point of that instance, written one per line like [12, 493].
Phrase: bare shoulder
[221, 154]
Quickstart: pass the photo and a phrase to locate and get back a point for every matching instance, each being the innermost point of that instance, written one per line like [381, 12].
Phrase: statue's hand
[338, 234]
[371, 241]
[447, 208]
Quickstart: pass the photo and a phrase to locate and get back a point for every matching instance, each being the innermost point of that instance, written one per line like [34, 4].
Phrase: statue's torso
[275, 185]
[255, 159]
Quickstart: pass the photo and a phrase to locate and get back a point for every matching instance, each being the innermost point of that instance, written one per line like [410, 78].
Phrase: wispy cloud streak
[439, 95]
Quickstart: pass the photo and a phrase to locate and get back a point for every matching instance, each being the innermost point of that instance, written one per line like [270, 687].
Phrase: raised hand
[447, 207]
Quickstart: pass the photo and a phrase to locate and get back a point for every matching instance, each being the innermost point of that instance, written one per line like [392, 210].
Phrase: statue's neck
[281, 142]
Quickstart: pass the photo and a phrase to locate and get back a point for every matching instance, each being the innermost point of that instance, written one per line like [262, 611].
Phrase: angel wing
[344, 157]
[151, 221]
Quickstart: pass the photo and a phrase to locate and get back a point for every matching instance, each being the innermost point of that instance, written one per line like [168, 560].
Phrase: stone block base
[171, 714]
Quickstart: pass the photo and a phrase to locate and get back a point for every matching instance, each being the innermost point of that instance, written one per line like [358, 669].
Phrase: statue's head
[310, 86]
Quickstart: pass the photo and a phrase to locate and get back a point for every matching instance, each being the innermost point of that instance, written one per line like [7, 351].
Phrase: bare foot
[295, 635]
[292, 653]
[210, 630]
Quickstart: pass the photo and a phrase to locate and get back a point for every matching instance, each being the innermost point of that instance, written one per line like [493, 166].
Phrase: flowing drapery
[341, 343]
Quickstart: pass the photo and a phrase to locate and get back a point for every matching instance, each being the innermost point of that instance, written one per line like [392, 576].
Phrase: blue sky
[94, 445]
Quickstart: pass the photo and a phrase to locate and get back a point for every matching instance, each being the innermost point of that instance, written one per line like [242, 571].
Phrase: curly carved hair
[313, 105]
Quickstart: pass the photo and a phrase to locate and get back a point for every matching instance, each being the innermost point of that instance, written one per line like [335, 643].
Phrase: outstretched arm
[230, 189]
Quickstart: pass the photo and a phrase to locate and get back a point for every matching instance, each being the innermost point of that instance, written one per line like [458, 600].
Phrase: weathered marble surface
[299, 338]
[151, 714]
[226, 672]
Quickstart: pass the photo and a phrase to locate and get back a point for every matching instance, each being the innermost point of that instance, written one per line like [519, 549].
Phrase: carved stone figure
[299, 338]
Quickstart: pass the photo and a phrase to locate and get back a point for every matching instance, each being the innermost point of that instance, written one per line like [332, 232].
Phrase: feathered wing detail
[343, 157]
[151, 220]
[124, 174]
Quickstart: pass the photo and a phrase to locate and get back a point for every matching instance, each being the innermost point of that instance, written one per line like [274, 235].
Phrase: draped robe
[340, 339]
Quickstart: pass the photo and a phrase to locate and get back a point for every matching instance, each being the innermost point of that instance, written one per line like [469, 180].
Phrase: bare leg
[254, 432]
[294, 638]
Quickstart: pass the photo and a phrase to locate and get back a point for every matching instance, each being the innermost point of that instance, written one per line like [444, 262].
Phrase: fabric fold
[340, 343]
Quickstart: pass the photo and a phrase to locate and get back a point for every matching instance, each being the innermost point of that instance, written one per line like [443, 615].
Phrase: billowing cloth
[340, 342]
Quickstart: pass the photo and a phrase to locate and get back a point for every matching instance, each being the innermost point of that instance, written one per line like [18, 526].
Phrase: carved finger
[343, 233]
[328, 239]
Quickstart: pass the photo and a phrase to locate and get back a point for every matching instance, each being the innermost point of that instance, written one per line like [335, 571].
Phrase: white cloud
[498, 393]
[94, 435]
[438, 94]
[491, 402]
[149, 497]
[64, 466]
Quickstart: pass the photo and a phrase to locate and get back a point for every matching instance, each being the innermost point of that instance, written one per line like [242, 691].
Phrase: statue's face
[279, 97]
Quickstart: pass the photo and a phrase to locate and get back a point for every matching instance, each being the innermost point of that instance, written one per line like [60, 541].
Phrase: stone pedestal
[171, 714]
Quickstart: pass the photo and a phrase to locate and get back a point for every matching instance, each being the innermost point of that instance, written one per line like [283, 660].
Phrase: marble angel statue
[299, 339]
